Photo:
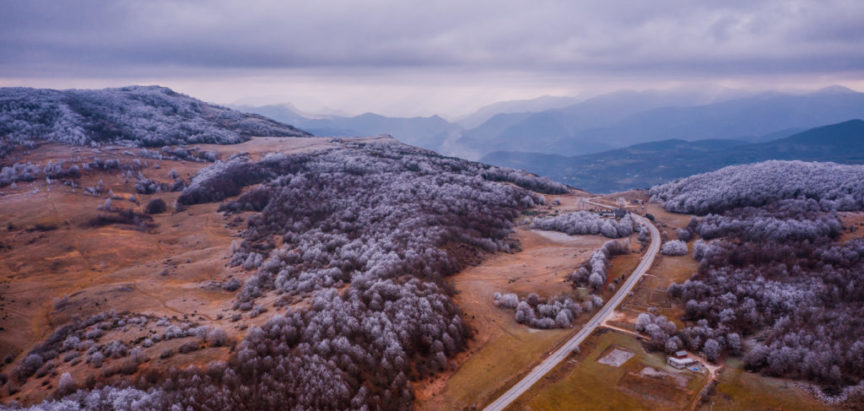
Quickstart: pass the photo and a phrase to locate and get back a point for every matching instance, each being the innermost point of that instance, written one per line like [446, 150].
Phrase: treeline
[594, 272]
[583, 222]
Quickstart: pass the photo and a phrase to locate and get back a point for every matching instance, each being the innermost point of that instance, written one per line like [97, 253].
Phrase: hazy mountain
[561, 130]
[738, 119]
[515, 106]
[426, 132]
[647, 164]
[625, 118]
[135, 115]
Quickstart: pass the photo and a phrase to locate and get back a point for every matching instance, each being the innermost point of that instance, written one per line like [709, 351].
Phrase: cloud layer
[377, 40]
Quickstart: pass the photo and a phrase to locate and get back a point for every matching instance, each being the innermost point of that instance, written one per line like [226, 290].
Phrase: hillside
[776, 262]
[134, 116]
[125, 265]
[644, 165]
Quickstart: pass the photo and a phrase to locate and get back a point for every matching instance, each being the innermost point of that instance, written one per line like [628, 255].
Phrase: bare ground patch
[615, 357]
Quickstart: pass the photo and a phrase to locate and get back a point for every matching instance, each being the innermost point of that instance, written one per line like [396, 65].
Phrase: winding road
[562, 353]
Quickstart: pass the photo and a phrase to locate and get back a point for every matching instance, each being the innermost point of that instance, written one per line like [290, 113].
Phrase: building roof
[681, 360]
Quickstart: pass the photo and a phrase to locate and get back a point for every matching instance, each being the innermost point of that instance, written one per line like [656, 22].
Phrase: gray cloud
[596, 39]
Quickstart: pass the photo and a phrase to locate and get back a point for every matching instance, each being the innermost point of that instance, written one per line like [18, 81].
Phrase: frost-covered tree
[583, 222]
[537, 312]
[674, 248]
[594, 271]
[774, 267]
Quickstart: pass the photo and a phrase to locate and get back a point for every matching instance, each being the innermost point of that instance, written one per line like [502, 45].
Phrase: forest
[141, 116]
[774, 285]
[368, 234]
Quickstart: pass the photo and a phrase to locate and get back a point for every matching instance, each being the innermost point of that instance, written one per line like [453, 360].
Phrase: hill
[129, 266]
[648, 164]
[134, 116]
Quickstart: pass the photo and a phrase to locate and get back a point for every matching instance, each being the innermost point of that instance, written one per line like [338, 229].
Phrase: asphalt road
[562, 353]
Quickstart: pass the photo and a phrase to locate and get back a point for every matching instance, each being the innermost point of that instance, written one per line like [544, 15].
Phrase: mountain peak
[835, 90]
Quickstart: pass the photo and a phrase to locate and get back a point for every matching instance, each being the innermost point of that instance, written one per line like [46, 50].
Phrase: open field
[738, 389]
[643, 382]
[503, 350]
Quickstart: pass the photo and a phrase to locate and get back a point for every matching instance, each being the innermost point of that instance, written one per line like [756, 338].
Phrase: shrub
[674, 248]
[156, 206]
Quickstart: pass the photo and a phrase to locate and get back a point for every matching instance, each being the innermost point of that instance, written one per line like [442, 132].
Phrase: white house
[679, 362]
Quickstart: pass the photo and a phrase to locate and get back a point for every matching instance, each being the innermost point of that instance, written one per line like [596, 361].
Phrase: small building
[679, 363]
[680, 354]
[620, 212]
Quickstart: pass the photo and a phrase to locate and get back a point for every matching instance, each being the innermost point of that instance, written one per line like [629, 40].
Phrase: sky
[410, 58]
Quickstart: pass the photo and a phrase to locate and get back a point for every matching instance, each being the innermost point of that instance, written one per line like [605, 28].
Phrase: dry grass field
[741, 390]
[503, 350]
[643, 382]
[57, 266]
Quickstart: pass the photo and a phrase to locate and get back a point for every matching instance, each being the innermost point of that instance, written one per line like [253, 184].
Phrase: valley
[348, 272]
[434, 206]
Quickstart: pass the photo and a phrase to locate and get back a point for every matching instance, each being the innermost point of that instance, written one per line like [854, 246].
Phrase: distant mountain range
[534, 105]
[427, 132]
[622, 119]
[570, 126]
[647, 164]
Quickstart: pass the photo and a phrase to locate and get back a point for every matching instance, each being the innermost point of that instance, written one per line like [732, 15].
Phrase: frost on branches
[774, 268]
[583, 222]
[135, 116]
[368, 233]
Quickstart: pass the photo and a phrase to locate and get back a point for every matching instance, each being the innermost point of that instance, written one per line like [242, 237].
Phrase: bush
[674, 248]
[156, 206]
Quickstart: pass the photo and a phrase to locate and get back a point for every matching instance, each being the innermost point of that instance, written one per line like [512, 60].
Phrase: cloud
[657, 40]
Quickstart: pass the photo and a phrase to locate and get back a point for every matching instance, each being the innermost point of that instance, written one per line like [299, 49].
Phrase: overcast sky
[424, 57]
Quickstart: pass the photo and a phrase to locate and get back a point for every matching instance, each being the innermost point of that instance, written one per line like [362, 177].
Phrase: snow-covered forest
[136, 116]
[369, 233]
[774, 268]
[834, 186]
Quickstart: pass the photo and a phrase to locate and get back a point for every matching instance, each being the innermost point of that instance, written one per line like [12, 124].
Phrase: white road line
[559, 355]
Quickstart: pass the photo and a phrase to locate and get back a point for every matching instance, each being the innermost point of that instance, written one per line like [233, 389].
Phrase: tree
[711, 349]
[156, 206]
[66, 385]
[674, 248]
